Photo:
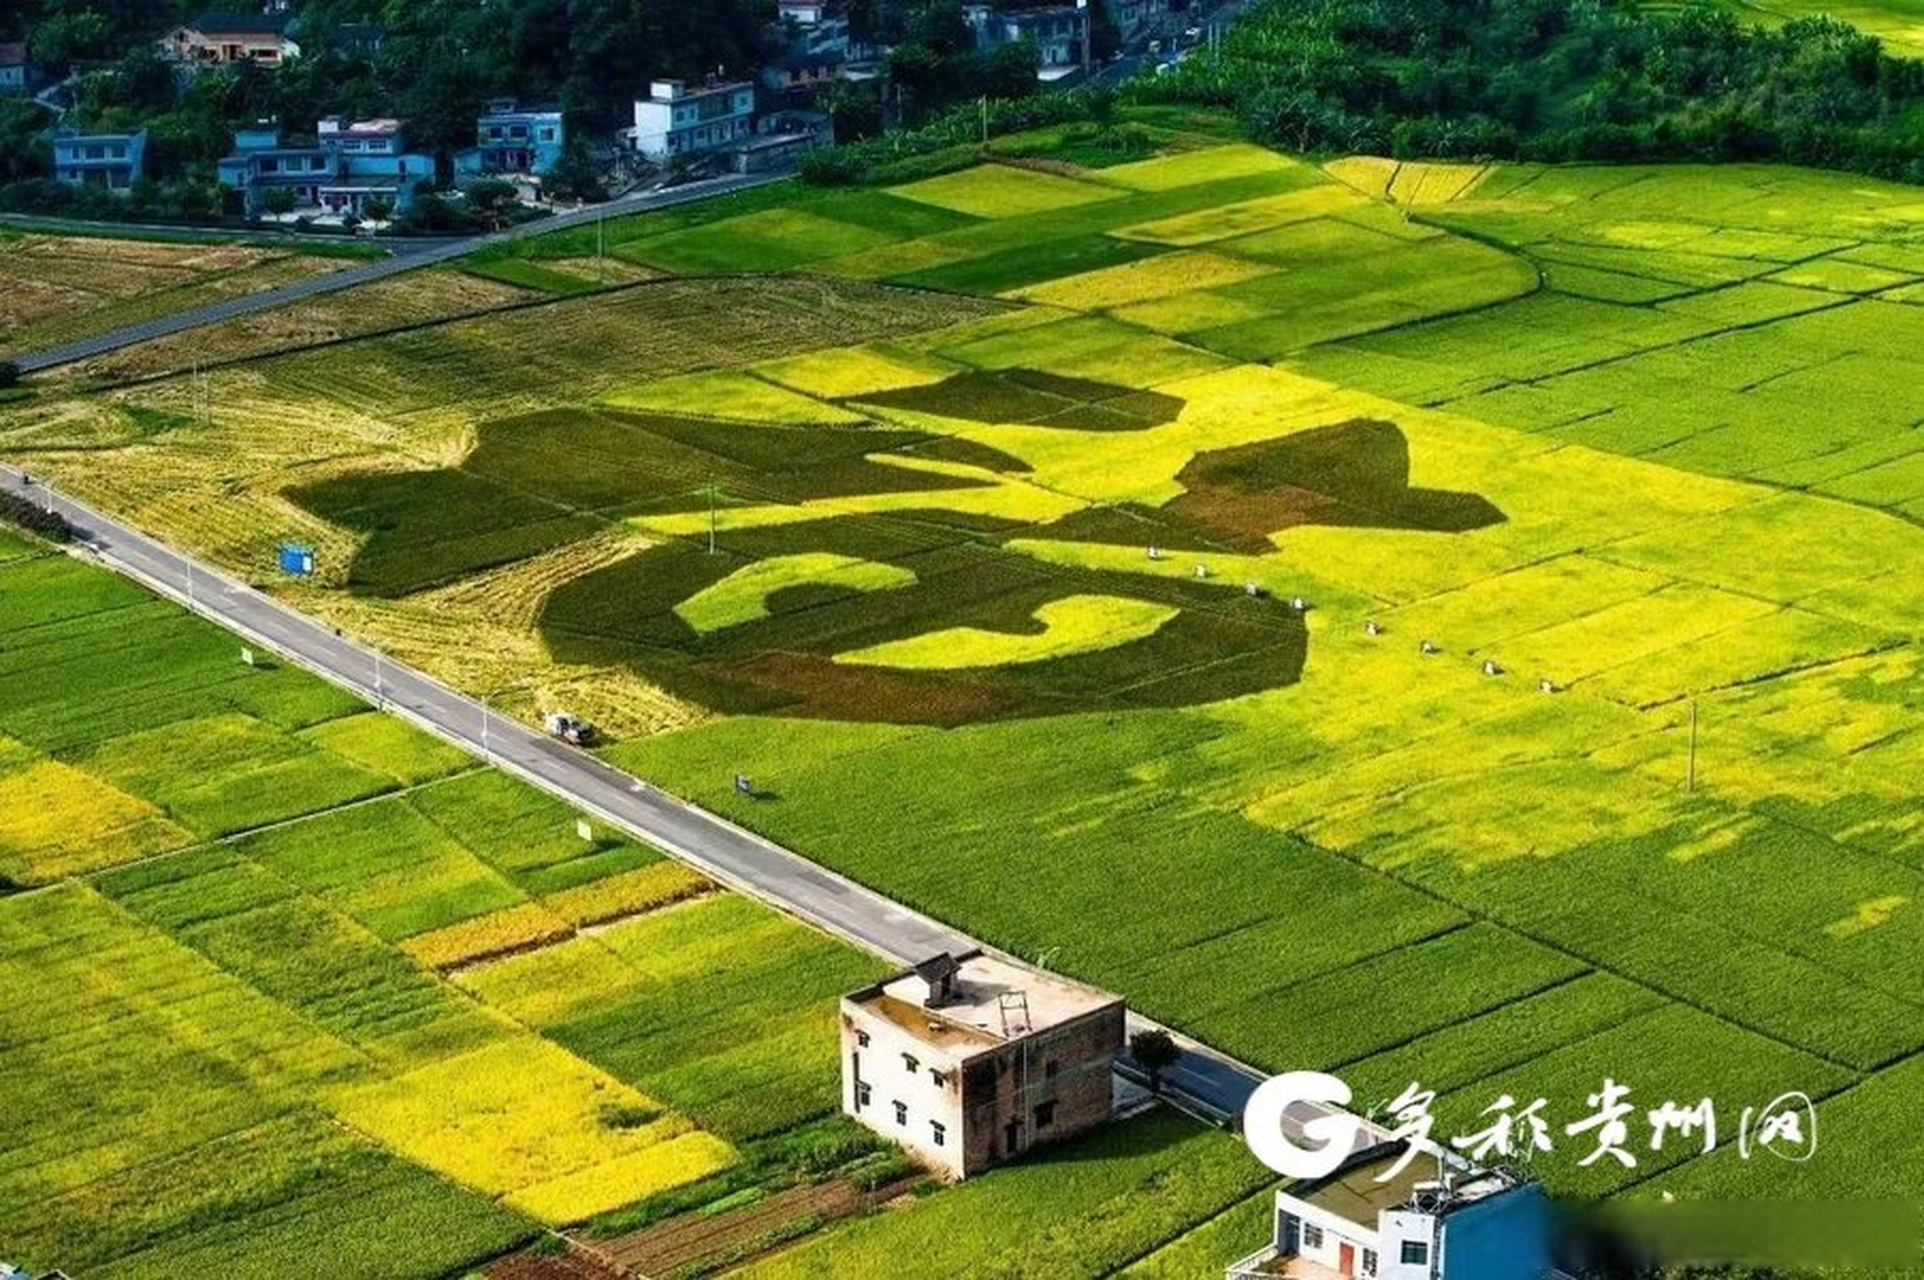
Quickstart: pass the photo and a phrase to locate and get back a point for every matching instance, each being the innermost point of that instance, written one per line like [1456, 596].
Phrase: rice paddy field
[294, 989]
[1479, 600]
[1898, 23]
[54, 289]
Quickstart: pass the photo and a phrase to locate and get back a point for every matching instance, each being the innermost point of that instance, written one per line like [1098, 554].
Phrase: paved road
[1212, 1084]
[349, 277]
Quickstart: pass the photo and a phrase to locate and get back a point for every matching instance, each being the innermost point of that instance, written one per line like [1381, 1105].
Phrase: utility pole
[380, 691]
[600, 276]
[1690, 777]
[713, 518]
[985, 119]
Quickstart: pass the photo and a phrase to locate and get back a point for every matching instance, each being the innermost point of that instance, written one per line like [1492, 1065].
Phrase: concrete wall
[926, 1101]
[1048, 1086]
[1398, 1226]
[1331, 1232]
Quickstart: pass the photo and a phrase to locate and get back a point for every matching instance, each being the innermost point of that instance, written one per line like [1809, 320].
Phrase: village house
[110, 161]
[1437, 1218]
[16, 73]
[971, 1062]
[350, 166]
[214, 38]
[511, 139]
[1059, 32]
[678, 119]
[796, 75]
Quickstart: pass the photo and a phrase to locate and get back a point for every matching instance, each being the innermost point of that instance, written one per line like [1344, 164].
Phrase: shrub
[48, 524]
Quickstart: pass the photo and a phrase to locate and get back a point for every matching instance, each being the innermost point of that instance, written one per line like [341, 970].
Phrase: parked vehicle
[570, 729]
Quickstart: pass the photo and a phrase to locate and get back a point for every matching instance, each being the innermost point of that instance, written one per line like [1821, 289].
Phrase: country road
[1209, 1083]
[409, 258]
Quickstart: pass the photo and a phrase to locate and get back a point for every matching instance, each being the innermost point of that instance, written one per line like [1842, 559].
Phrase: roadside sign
[585, 830]
[297, 560]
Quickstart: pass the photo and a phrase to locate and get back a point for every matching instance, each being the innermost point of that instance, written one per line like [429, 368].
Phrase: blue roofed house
[1385, 1216]
[112, 161]
[349, 165]
[510, 138]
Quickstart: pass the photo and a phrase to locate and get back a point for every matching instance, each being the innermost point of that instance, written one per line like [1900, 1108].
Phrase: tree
[278, 200]
[9, 373]
[575, 176]
[492, 200]
[1155, 1052]
[24, 151]
[377, 209]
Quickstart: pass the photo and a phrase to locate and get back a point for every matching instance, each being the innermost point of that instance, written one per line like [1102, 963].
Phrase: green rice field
[271, 957]
[1477, 600]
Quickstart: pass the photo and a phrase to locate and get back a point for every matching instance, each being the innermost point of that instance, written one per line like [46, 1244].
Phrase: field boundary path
[1203, 1081]
[406, 258]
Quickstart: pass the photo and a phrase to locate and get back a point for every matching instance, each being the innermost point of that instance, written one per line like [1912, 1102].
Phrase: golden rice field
[1524, 690]
[54, 289]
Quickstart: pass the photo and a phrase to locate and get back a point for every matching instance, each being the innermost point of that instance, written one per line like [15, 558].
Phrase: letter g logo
[1330, 1137]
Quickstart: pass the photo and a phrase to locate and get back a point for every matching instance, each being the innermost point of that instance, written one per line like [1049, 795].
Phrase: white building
[678, 119]
[968, 1063]
[1439, 1218]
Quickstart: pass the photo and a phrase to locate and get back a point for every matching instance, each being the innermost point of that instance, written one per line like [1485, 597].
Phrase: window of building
[939, 1133]
[1369, 1262]
[861, 1038]
[547, 133]
[939, 1078]
[1416, 1253]
[902, 1113]
[1312, 1236]
[863, 1094]
[910, 1064]
[1045, 1114]
[1049, 1069]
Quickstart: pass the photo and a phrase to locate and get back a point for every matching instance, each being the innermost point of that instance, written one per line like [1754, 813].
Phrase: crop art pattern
[878, 571]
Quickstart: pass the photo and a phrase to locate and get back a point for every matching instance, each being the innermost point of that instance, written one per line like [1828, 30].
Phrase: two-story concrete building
[371, 162]
[970, 1062]
[512, 139]
[109, 161]
[349, 165]
[678, 119]
[260, 162]
[1437, 1218]
[216, 38]
[16, 72]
